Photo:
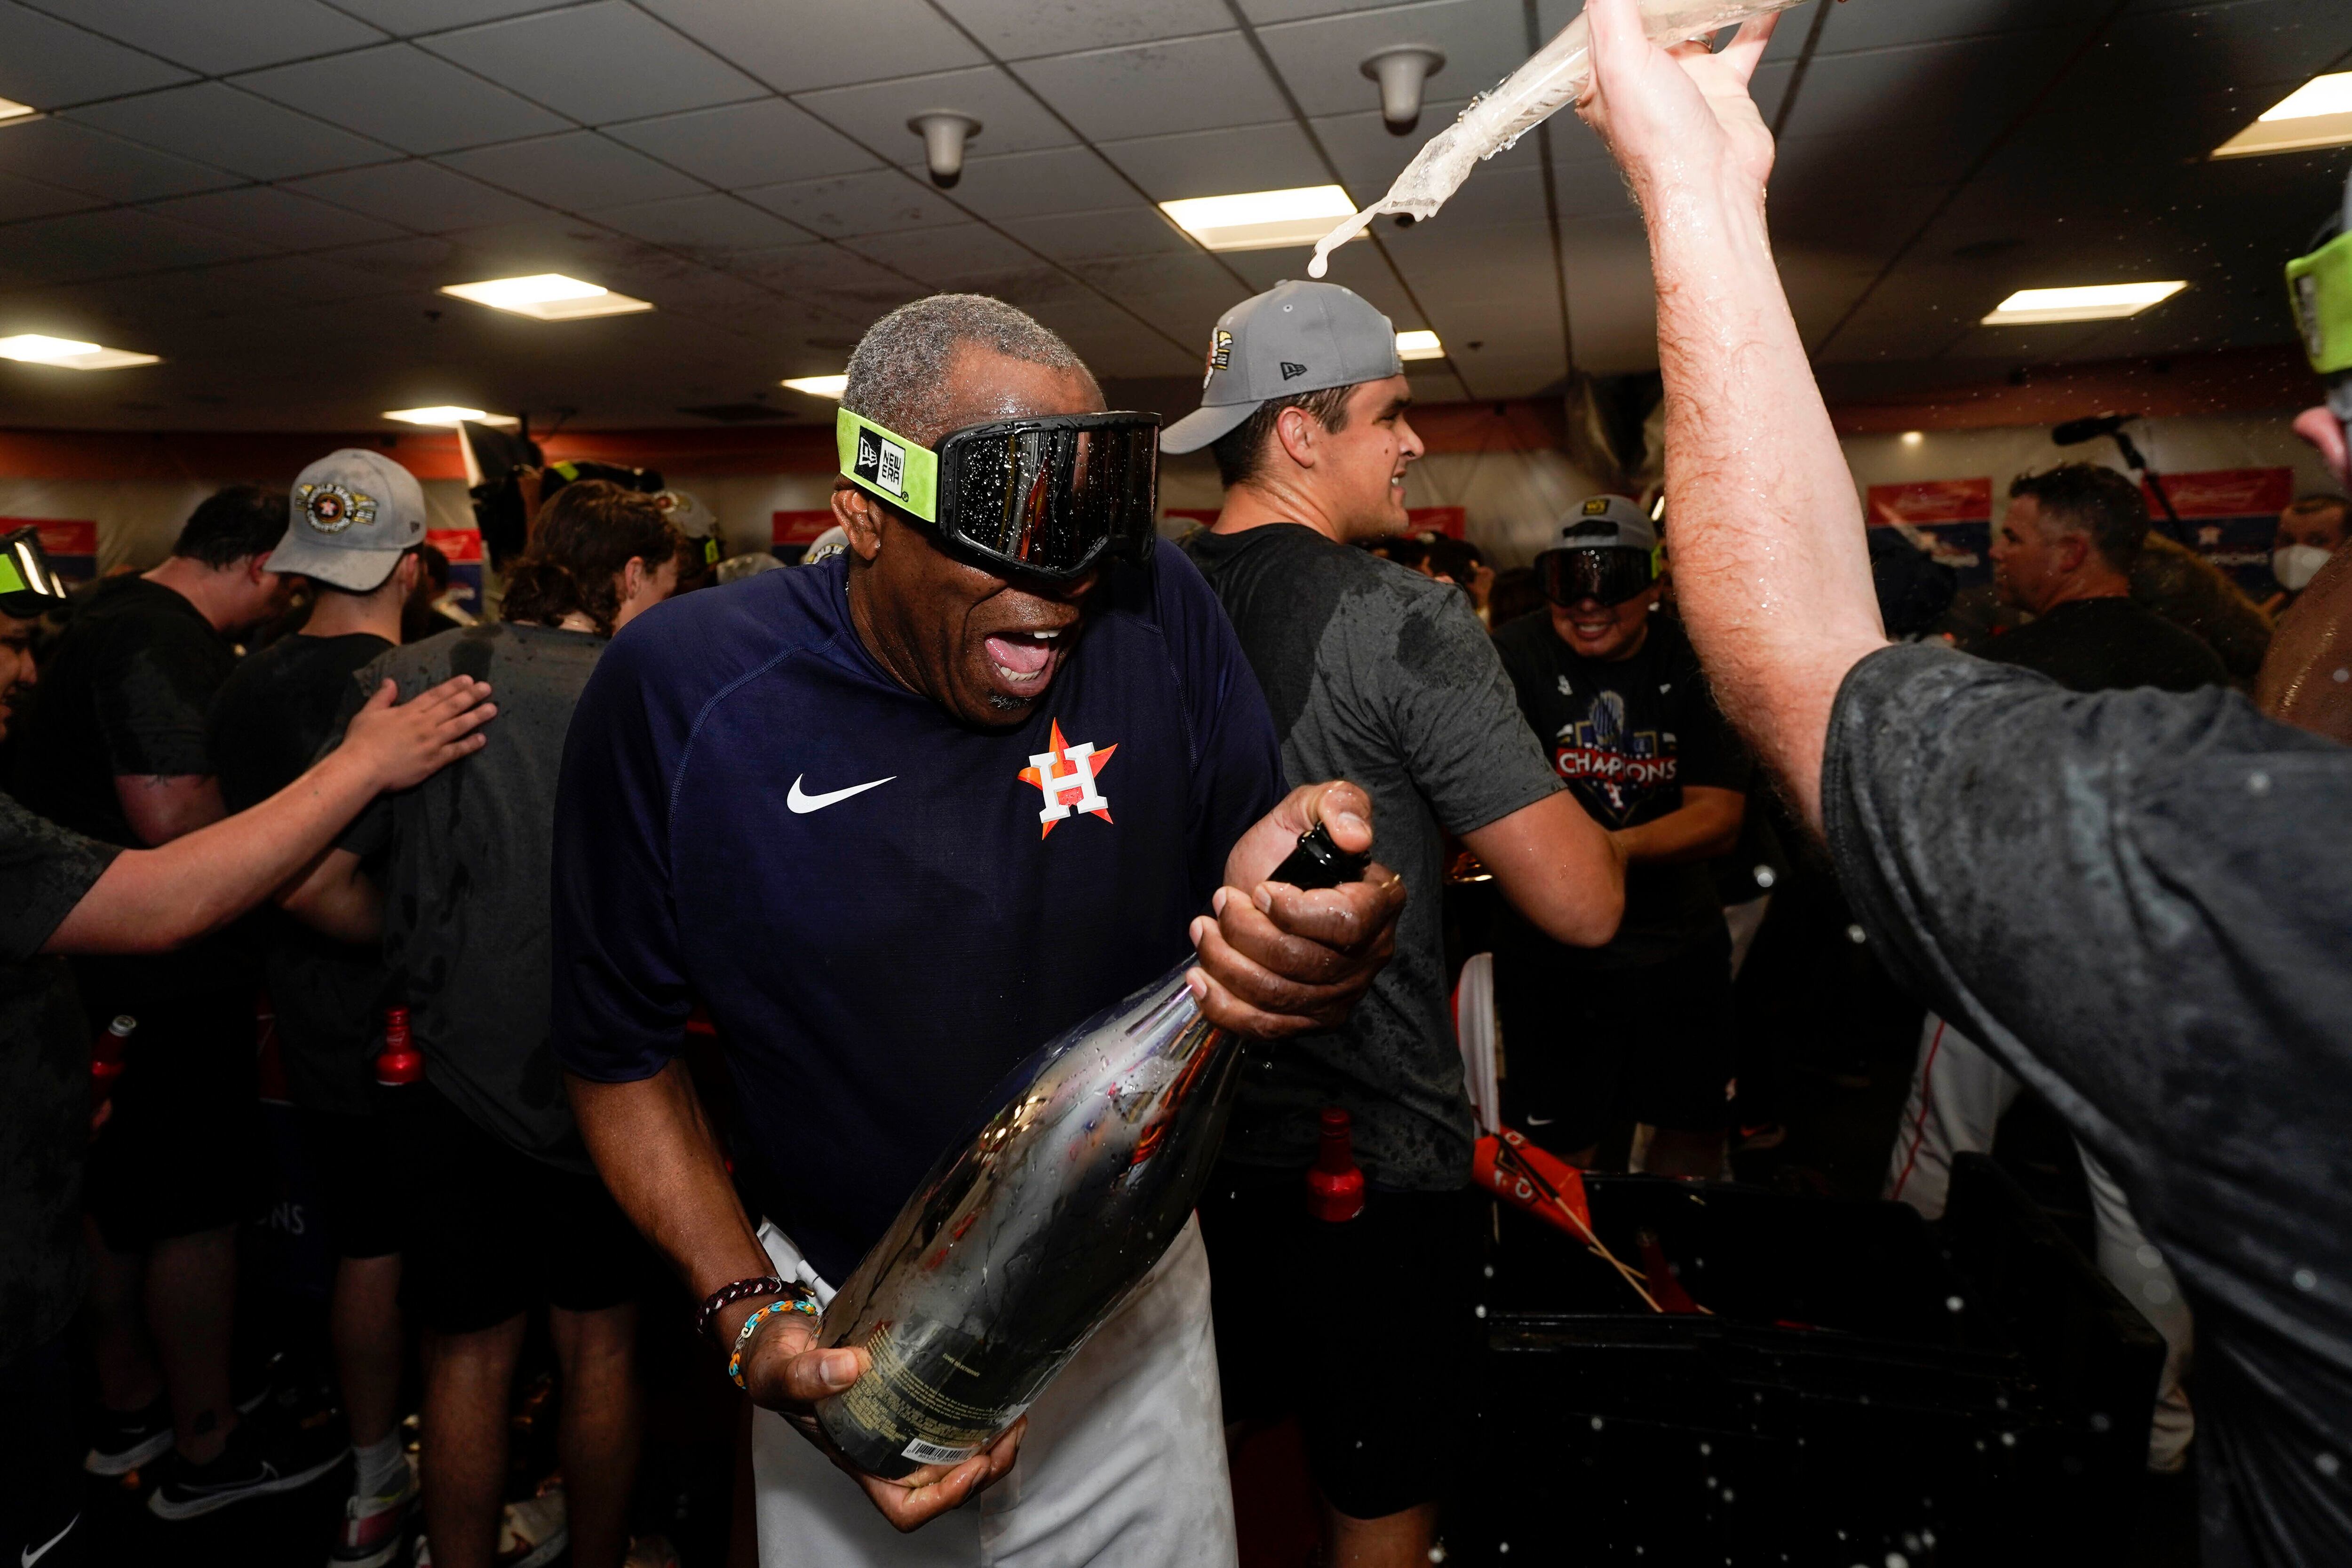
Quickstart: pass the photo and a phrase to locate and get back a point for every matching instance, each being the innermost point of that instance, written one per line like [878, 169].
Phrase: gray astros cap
[1294, 338]
[1606, 522]
[354, 512]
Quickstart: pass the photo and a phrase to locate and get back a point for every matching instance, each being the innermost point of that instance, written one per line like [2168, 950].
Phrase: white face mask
[2295, 565]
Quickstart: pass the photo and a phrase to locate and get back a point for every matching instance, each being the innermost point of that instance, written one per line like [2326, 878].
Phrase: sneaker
[372, 1525]
[241, 1471]
[129, 1438]
[534, 1530]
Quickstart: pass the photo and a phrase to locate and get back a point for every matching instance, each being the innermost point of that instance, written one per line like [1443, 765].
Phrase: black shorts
[185, 1150]
[492, 1231]
[1366, 1331]
[1583, 1047]
[357, 1182]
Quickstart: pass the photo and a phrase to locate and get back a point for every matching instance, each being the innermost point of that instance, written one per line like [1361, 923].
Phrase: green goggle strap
[902, 471]
[2320, 287]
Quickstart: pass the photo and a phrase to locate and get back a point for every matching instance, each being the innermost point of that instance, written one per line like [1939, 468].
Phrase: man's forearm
[657, 1152]
[1707, 825]
[152, 900]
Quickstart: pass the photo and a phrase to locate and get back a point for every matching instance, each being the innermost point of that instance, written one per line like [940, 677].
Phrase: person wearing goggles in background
[950, 792]
[1643, 1027]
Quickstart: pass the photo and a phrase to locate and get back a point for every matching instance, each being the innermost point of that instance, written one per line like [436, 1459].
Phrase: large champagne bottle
[1025, 1238]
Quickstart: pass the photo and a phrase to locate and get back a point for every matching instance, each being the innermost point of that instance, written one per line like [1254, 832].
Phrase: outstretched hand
[403, 744]
[788, 1373]
[1279, 960]
[1676, 112]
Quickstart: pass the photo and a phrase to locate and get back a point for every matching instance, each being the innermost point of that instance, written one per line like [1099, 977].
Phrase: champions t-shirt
[884, 910]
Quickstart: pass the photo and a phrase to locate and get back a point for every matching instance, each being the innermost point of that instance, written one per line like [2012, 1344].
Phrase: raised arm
[1771, 572]
[148, 901]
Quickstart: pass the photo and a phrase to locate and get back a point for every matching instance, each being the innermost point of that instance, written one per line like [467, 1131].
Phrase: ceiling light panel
[11, 109]
[2097, 302]
[2316, 114]
[446, 414]
[818, 386]
[1419, 345]
[547, 297]
[1261, 220]
[67, 353]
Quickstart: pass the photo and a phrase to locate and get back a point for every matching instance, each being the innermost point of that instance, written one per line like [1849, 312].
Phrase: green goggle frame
[29, 588]
[2319, 285]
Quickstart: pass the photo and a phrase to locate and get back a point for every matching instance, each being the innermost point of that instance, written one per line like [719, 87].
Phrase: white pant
[1123, 1464]
[1958, 1094]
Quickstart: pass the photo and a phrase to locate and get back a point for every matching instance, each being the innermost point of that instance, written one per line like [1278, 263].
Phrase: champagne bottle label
[922, 1422]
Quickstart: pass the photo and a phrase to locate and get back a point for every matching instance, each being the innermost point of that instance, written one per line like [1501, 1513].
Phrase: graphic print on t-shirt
[1066, 774]
[1613, 767]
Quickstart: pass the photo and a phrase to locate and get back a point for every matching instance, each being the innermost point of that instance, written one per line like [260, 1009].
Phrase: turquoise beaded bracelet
[802, 1303]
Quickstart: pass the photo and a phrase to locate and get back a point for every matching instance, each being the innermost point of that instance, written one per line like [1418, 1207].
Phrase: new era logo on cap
[1292, 370]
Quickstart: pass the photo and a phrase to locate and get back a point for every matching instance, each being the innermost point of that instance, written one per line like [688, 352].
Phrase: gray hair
[898, 374]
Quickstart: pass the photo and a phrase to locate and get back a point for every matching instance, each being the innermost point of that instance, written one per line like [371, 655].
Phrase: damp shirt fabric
[462, 862]
[884, 910]
[2136, 901]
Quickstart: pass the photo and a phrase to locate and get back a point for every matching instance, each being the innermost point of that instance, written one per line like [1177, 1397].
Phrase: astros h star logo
[1066, 777]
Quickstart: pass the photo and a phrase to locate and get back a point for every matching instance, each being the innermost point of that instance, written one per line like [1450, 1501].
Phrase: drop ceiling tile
[856, 288]
[48, 65]
[1015, 28]
[1264, 12]
[58, 152]
[1321, 60]
[1030, 184]
[944, 257]
[762, 142]
[1370, 157]
[278, 218]
[597, 63]
[235, 129]
[1130, 230]
[400, 95]
[793, 45]
[106, 243]
[876, 113]
[21, 198]
[408, 18]
[580, 172]
[1273, 157]
[1587, 190]
[215, 38]
[420, 196]
[881, 203]
[1149, 89]
[705, 222]
[421, 262]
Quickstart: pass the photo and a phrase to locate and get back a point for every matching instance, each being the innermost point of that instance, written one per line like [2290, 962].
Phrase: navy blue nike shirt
[881, 907]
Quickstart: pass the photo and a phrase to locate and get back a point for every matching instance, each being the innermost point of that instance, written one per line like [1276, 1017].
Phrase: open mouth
[1022, 663]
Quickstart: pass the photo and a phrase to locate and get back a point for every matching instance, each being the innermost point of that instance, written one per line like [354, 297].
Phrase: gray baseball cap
[1606, 522]
[1294, 338]
[354, 512]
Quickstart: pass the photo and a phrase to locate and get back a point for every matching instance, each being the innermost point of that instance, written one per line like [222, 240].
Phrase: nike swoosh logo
[32, 1554]
[803, 804]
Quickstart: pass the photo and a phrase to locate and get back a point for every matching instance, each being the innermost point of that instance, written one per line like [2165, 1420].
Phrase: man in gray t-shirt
[1385, 678]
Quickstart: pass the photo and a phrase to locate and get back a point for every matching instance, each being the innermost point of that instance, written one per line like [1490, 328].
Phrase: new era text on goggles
[1050, 497]
[1611, 574]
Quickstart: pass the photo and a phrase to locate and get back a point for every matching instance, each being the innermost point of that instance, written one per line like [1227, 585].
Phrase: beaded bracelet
[802, 1303]
[726, 1296]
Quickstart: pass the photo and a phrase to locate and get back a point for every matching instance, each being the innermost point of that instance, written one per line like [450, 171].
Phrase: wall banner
[464, 548]
[1953, 518]
[71, 547]
[2230, 517]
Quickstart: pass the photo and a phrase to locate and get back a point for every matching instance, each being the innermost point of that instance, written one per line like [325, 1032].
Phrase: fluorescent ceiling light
[2098, 302]
[445, 413]
[1420, 345]
[549, 297]
[2316, 114]
[1261, 220]
[11, 109]
[34, 349]
[818, 386]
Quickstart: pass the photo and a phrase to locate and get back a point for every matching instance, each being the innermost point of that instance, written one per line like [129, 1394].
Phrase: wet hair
[1240, 451]
[2083, 498]
[898, 372]
[585, 534]
[232, 524]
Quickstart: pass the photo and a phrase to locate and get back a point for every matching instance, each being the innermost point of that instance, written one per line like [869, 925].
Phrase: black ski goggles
[28, 588]
[1052, 497]
[1612, 574]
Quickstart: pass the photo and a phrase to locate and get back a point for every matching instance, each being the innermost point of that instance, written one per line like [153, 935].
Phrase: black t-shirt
[125, 694]
[1628, 736]
[1382, 676]
[2139, 902]
[2109, 644]
[273, 717]
[43, 1078]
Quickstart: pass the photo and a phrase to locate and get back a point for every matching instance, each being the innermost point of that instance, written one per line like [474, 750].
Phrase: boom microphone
[2076, 431]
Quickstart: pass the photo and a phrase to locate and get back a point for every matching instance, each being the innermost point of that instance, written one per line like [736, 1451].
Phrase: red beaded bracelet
[726, 1296]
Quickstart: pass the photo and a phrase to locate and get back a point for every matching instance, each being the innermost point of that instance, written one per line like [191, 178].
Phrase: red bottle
[1335, 1187]
[400, 1062]
[106, 1055]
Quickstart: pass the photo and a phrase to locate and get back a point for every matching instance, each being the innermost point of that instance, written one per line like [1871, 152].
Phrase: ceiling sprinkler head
[1401, 72]
[944, 132]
